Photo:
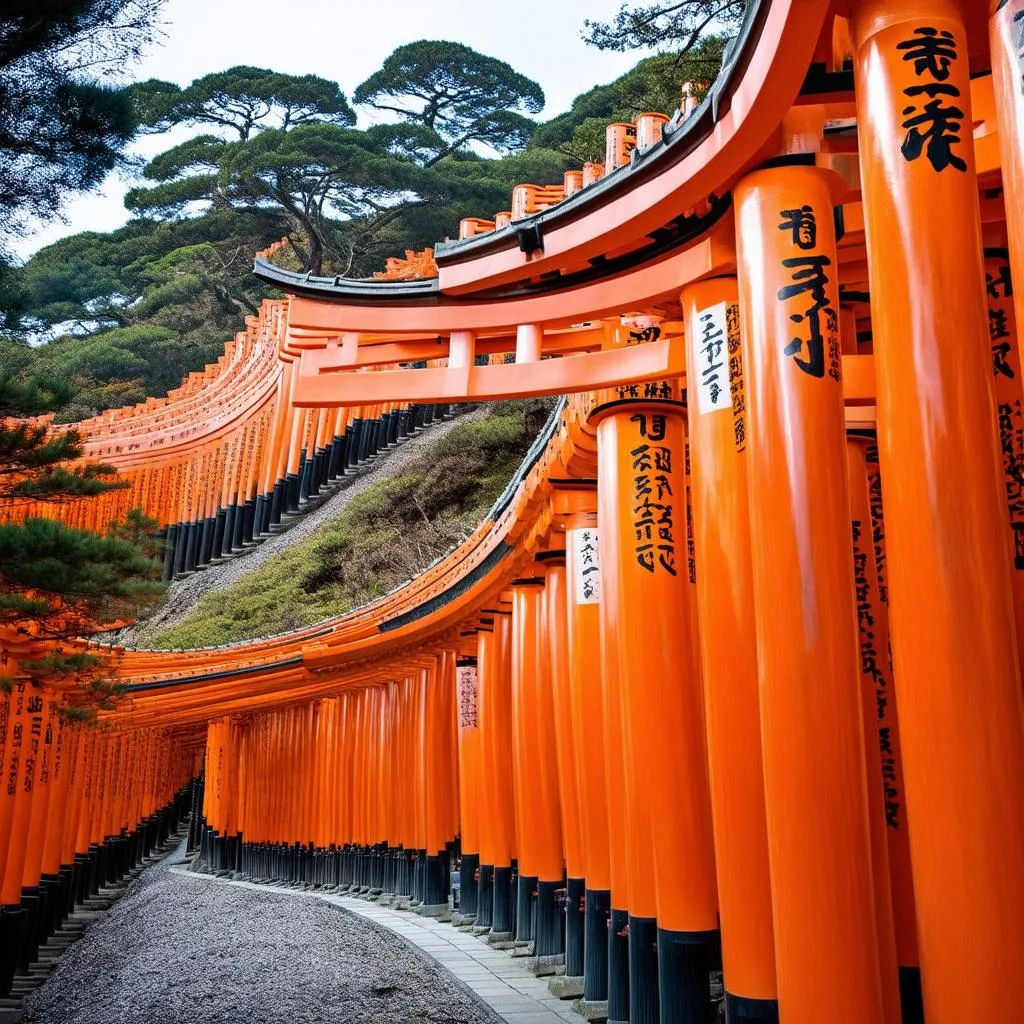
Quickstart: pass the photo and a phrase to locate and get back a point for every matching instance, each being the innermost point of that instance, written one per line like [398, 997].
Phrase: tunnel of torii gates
[770, 723]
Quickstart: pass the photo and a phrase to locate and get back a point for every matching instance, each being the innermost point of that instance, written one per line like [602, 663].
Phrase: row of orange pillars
[737, 714]
[80, 808]
[227, 529]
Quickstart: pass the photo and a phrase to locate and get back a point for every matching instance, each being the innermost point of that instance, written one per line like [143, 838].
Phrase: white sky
[347, 41]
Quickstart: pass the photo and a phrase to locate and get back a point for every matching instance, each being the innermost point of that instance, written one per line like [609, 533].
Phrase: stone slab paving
[497, 980]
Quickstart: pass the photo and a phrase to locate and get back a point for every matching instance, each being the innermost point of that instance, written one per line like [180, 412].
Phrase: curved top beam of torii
[630, 241]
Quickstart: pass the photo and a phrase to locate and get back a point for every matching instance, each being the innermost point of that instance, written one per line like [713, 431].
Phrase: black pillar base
[525, 893]
[618, 966]
[468, 891]
[643, 972]
[32, 904]
[170, 550]
[503, 905]
[245, 523]
[686, 960]
[911, 998]
[549, 925]
[595, 944]
[277, 502]
[485, 896]
[224, 531]
[740, 1009]
[12, 924]
[435, 880]
[575, 912]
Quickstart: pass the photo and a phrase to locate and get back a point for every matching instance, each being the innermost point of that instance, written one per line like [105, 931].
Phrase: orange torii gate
[703, 665]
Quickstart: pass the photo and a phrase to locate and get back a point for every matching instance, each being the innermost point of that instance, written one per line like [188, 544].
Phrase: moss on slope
[384, 536]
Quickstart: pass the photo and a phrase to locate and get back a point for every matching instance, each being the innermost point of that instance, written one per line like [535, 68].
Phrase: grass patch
[384, 536]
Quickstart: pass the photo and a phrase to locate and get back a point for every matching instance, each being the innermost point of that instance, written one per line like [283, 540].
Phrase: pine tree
[58, 582]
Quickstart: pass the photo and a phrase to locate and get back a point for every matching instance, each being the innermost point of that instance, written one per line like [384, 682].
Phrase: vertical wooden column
[471, 782]
[493, 668]
[716, 400]
[811, 721]
[535, 755]
[583, 596]
[894, 895]
[561, 687]
[900, 869]
[673, 921]
[618, 813]
[1006, 40]
[17, 809]
[949, 569]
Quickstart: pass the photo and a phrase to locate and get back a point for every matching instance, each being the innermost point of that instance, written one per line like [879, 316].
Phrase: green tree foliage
[286, 149]
[242, 100]
[141, 306]
[654, 84]
[456, 93]
[56, 581]
[677, 27]
[69, 581]
[64, 126]
[335, 187]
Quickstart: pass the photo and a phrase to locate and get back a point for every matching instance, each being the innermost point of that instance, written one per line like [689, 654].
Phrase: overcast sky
[346, 41]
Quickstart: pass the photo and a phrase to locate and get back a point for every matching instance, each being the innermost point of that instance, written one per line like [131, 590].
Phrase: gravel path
[179, 948]
[184, 594]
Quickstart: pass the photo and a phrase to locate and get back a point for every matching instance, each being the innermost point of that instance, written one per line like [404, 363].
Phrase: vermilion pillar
[673, 924]
[618, 821]
[470, 782]
[894, 891]
[583, 596]
[1006, 39]
[497, 849]
[536, 766]
[949, 556]
[716, 399]
[556, 625]
[812, 735]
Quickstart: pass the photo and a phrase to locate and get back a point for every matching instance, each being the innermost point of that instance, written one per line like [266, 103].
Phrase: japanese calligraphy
[652, 389]
[737, 388]
[874, 670]
[586, 565]
[819, 349]
[653, 498]
[1006, 374]
[803, 226]
[643, 335]
[466, 682]
[708, 371]
[932, 121]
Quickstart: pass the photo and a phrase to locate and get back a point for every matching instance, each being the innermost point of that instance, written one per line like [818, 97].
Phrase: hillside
[389, 525]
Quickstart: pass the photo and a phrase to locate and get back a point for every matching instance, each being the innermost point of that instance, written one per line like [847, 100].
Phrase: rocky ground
[179, 948]
[184, 594]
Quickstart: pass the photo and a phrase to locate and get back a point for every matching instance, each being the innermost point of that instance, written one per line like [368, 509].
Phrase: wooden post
[949, 568]
[673, 926]
[716, 399]
[811, 721]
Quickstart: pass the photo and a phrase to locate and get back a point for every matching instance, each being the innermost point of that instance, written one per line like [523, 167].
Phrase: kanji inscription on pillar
[708, 369]
[815, 348]
[931, 118]
[586, 565]
[466, 683]
[652, 494]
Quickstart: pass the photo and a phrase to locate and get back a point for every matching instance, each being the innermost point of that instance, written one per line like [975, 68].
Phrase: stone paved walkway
[499, 980]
